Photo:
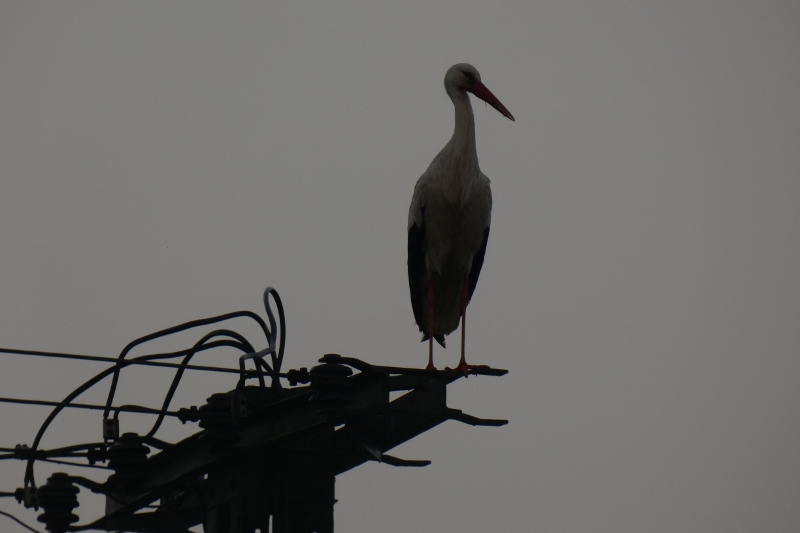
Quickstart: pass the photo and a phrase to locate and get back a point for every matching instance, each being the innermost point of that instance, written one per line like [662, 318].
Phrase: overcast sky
[165, 161]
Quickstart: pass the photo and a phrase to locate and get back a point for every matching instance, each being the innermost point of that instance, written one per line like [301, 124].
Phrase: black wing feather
[477, 264]
[418, 277]
[416, 271]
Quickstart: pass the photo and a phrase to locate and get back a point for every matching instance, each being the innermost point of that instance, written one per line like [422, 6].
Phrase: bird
[449, 219]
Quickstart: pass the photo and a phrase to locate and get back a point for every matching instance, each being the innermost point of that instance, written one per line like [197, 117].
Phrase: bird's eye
[470, 76]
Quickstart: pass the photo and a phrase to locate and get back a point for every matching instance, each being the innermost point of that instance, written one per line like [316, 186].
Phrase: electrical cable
[66, 451]
[125, 408]
[29, 479]
[276, 356]
[170, 331]
[81, 357]
[277, 359]
[236, 340]
[244, 346]
[24, 452]
[70, 463]
[18, 521]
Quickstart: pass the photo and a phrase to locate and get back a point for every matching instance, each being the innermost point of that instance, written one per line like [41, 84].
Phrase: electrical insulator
[329, 382]
[127, 458]
[58, 497]
[216, 417]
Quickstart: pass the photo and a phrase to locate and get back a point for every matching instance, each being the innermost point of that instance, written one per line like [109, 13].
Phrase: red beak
[480, 90]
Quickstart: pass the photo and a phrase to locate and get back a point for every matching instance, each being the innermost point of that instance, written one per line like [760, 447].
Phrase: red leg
[431, 304]
[464, 300]
[463, 367]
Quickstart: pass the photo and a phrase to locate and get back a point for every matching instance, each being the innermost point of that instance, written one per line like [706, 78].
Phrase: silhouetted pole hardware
[266, 456]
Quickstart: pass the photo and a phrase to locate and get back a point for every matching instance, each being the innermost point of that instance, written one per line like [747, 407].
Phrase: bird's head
[465, 77]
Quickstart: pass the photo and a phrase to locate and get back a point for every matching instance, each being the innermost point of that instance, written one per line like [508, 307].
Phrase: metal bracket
[381, 457]
[457, 414]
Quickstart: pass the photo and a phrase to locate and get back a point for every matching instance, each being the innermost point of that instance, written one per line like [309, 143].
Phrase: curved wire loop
[170, 331]
[273, 349]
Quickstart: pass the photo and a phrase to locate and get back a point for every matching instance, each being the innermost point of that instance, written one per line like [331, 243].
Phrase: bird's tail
[438, 338]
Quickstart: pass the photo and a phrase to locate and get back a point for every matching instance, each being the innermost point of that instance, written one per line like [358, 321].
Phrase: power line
[125, 408]
[20, 522]
[98, 358]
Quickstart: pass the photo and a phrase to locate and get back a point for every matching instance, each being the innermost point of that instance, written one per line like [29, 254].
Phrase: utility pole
[267, 457]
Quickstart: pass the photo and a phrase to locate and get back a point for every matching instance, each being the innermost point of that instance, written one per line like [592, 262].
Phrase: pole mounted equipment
[264, 457]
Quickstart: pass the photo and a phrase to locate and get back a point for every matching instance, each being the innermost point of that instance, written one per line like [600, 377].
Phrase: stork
[448, 221]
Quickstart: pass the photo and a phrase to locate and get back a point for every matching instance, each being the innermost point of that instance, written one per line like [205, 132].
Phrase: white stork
[448, 221]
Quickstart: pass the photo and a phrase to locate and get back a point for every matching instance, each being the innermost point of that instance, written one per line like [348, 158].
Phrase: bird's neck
[463, 140]
[460, 157]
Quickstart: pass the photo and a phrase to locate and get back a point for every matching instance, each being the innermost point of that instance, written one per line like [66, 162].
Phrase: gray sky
[165, 161]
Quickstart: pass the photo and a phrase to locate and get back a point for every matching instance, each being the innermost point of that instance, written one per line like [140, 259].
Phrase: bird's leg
[463, 367]
[431, 304]
[464, 298]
